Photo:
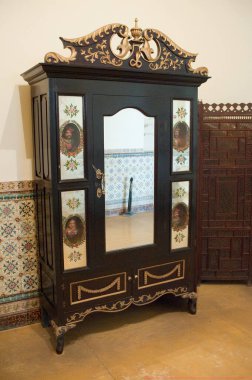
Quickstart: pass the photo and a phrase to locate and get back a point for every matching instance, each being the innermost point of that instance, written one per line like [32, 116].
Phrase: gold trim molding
[178, 269]
[118, 306]
[164, 276]
[119, 282]
[118, 46]
[125, 304]
[61, 330]
[116, 282]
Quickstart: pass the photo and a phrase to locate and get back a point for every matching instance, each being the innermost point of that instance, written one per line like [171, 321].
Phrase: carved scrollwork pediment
[117, 46]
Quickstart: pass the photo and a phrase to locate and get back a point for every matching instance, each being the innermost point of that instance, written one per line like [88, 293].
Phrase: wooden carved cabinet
[115, 136]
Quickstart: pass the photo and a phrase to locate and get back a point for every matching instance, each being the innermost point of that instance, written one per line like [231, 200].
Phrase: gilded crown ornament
[147, 50]
[136, 32]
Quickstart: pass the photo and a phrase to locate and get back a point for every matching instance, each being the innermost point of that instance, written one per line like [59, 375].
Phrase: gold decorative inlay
[118, 306]
[56, 58]
[125, 304]
[147, 274]
[178, 269]
[119, 282]
[116, 282]
[147, 49]
[200, 70]
[100, 52]
[61, 330]
[167, 62]
[191, 296]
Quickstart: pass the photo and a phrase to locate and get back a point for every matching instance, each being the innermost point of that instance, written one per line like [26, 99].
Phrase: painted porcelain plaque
[71, 137]
[74, 229]
[181, 135]
[180, 215]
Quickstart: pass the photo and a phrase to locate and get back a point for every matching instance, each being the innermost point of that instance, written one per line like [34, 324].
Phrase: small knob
[129, 278]
[136, 276]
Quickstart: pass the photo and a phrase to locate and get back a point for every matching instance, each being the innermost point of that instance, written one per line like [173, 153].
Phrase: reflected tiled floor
[160, 341]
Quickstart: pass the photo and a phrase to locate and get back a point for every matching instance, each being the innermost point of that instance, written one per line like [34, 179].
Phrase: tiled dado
[19, 280]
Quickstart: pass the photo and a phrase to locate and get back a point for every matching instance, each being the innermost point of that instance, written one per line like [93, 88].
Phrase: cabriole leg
[192, 302]
[59, 344]
[60, 333]
[192, 305]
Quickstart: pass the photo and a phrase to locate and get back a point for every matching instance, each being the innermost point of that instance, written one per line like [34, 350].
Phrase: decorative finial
[136, 32]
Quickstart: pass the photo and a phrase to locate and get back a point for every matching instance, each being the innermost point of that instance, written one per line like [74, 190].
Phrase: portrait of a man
[70, 140]
[181, 136]
[74, 231]
[180, 216]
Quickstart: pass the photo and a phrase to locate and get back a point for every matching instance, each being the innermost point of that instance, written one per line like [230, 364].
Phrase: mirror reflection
[129, 172]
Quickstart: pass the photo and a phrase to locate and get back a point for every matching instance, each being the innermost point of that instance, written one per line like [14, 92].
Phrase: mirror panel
[129, 172]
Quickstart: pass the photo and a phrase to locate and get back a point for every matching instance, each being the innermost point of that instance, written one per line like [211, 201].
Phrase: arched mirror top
[121, 111]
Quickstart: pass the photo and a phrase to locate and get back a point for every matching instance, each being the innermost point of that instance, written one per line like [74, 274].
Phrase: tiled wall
[119, 168]
[19, 279]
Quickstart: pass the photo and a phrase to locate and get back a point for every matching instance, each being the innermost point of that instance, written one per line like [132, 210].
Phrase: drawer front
[161, 274]
[99, 287]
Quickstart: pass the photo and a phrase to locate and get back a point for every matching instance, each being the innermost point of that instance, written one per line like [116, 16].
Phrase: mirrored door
[128, 201]
[129, 155]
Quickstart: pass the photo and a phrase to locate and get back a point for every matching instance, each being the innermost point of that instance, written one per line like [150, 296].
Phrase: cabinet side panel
[47, 287]
[49, 228]
[37, 137]
[40, 220]
[45, 133]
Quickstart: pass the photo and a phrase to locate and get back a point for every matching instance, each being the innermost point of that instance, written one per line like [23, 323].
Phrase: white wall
[219, 30]
[124, 130]
[128, 129]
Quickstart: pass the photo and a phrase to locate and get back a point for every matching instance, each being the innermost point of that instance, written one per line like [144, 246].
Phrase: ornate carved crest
[114, 45]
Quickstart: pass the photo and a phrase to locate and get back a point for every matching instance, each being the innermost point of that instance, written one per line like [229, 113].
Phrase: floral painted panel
[71, 137]
[180, 214]
[181, 135]
[74, 229]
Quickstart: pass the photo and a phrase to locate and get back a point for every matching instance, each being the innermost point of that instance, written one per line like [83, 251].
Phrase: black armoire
[115, 137]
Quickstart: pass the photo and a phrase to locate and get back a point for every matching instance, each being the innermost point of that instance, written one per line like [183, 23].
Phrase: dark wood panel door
[225, 192]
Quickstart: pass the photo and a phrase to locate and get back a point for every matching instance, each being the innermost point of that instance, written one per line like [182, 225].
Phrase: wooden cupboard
[115, 138]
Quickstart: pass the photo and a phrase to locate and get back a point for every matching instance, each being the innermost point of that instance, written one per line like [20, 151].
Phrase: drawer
[161, 274]
[98, 287]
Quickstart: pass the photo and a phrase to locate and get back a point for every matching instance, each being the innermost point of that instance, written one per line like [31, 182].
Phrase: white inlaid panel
[74, 229]
[180, 214]
[71, 137]
[181, 135]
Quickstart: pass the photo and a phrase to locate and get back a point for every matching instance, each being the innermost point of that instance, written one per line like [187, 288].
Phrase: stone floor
[156, 342]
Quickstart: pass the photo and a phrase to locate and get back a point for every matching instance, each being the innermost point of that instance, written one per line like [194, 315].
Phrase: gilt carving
[137, 49]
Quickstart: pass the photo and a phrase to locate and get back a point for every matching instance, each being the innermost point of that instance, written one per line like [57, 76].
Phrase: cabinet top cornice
[115, 46]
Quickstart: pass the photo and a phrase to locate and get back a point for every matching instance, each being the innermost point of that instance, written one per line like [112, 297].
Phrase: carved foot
[59, 344]
[45, 321]
[60, 332]
[192, 305]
